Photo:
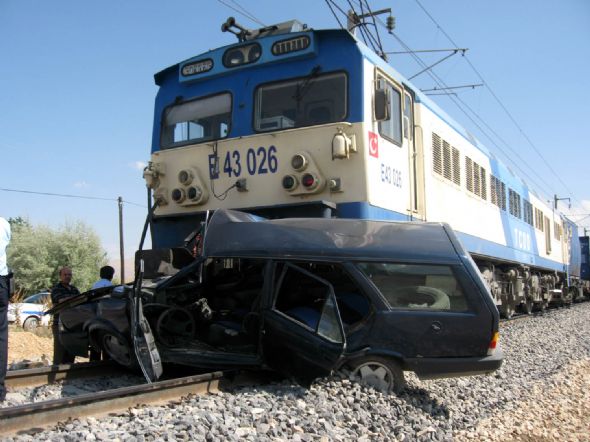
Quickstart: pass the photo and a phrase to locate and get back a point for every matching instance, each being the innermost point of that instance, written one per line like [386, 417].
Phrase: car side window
[416, 286]
[309, 301]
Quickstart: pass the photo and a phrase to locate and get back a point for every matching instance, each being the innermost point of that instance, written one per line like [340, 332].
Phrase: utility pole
[121, 246]
[555, 199]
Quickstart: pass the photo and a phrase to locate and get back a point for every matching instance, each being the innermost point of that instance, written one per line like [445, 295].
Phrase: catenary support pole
[121, 246]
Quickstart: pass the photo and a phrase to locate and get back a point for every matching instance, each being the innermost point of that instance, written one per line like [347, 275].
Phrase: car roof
[233, 233]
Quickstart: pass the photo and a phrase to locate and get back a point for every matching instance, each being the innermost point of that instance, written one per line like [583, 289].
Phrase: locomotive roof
[238, 234]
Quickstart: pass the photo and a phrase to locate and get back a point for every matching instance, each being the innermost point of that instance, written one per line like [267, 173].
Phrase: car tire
[117, 348]
[380, 373]
[31, 323]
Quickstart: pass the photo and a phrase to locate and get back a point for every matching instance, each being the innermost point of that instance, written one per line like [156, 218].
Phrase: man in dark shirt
[63, 290]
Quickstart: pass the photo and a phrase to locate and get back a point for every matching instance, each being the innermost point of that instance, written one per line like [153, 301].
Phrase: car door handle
[436, 327]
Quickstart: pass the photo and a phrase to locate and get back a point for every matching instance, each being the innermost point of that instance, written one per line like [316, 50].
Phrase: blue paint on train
[336, 53]
[576, 257]
[363, 210]
[585, 257]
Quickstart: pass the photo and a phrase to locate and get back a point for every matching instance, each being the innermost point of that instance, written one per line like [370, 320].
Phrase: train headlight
[299, 162]
[178, 195]
[185, 177]
[309, 181]
[194, 193]
[289, 182]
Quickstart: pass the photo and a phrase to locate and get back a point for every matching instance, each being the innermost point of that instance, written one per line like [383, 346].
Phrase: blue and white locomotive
[292, 121]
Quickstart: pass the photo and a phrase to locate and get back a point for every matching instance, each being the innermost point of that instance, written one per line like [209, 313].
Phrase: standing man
[4, 240]
[63, 290]
[106, 277]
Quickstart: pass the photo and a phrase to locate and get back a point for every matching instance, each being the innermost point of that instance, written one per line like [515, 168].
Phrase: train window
[199, 120]
[417, 286]
[391, 128]
[315, 99]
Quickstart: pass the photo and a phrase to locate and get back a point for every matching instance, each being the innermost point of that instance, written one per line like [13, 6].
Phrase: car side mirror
[381, 105]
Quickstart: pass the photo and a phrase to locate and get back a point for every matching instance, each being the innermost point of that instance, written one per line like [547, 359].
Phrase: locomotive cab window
[391, 128]
[308, 101]
[195, 121]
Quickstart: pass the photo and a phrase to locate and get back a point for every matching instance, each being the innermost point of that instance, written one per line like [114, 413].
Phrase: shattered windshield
[315, 99]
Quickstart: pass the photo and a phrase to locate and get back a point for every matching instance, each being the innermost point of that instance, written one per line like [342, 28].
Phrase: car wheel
[31, 323]
[118, 349]
[379, 373]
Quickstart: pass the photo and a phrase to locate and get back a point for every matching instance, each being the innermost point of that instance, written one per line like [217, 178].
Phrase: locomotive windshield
[195, 121]
[302, 102]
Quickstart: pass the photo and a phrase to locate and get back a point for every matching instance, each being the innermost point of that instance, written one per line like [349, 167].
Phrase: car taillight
[493, 343]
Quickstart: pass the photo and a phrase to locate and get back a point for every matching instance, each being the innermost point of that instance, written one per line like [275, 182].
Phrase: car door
[302, 330]
[144, 342]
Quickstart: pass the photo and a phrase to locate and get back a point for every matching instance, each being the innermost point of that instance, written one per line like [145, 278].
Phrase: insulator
[390, 23]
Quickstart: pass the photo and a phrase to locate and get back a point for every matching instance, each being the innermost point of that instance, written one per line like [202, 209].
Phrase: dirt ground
[23, 345]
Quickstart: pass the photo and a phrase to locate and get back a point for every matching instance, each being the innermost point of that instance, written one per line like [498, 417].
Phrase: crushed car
[304, 297]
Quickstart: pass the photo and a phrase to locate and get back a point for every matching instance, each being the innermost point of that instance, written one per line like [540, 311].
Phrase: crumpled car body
[301, 296]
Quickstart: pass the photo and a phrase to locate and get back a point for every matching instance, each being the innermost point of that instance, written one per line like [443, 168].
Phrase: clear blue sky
[77, 90]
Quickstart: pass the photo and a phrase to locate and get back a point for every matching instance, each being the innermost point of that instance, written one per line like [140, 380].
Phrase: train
[290, 121]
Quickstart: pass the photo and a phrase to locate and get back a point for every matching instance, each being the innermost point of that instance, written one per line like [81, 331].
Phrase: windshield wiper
[304, 87]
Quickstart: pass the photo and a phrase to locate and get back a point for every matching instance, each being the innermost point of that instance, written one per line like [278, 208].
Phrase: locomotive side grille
[447, 160]
[527, 212]
[456, 167]
[483, 181]
[503, 195]
[514, 203]
[498, 190]
[469, 172]
[476, 178]
[436, 154]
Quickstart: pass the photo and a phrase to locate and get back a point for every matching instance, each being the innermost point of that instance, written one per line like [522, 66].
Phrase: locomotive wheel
[527, 306]
[507, 310]
[542, 306]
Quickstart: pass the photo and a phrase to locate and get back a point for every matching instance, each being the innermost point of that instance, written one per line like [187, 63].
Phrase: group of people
[60, 292]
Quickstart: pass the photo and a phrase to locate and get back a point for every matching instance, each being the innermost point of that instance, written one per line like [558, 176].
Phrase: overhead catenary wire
[465, 109]
[242, 11]
[67, 195]
[500, 103]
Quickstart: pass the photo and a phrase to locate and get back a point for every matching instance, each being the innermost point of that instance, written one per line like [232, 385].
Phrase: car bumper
[433, 368]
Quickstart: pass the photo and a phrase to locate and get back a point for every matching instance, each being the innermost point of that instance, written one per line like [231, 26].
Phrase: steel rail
[33, 377]
[35, 417]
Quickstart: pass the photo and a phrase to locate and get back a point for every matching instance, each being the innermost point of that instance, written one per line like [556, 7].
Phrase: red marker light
[308, 180]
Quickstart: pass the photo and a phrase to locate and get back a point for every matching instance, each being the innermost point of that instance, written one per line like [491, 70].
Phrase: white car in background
[30, 311]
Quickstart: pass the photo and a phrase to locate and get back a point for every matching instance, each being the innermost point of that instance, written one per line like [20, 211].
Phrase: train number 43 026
[255, 162]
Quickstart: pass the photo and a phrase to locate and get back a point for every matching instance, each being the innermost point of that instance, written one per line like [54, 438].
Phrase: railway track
[36, 416]
[33, 377]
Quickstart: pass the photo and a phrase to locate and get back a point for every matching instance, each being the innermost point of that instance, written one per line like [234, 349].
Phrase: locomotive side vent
[498, 192]
[447, 160]
[456, 167]
[436, 154]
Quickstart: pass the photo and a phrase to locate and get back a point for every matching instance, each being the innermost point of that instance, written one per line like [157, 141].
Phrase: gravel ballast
[540, 393]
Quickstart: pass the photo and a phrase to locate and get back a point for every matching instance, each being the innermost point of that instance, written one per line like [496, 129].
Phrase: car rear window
[416, 286]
